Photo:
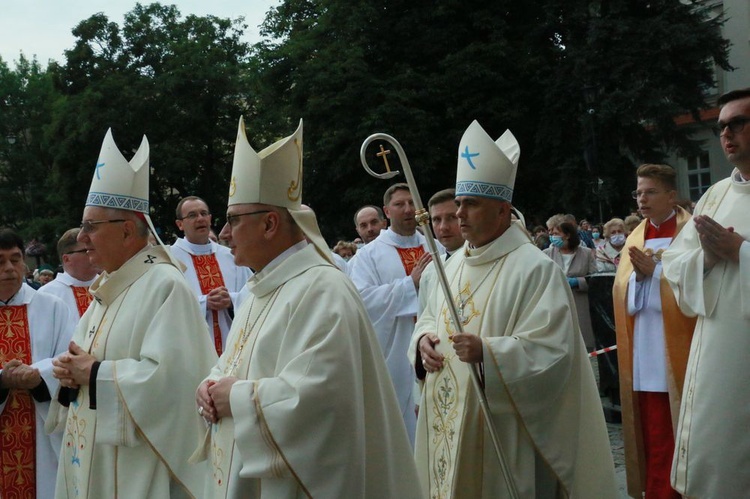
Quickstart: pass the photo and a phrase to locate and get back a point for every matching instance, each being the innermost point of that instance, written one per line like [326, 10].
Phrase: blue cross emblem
[466, 154]
[98, 165]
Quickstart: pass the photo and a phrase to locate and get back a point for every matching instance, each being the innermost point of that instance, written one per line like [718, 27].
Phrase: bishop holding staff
[520, 326]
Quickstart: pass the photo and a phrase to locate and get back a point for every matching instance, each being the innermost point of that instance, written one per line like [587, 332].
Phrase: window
[699, 175]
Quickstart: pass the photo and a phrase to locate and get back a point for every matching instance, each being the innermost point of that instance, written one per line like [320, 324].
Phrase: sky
[43, 27]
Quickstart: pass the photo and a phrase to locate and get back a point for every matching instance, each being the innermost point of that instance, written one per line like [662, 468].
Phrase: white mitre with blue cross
[119, 183]
[487, 168]
[273, 176]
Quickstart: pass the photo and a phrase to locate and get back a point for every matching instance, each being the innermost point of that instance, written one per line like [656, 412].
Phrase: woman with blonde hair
[608, 255]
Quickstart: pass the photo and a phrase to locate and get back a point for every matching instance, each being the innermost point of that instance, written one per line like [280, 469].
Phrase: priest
[707, 268]
[34, 328]
[521, 333]
[299, 404]
[136, 355]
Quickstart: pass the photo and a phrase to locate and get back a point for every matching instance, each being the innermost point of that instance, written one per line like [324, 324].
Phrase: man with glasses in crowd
[136, 355]
[210, 268]
[72, 284]
[707, 268]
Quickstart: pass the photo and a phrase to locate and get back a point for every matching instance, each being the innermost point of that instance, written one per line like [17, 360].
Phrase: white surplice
[50, 327]
[711, 447]
[538, 381]
[392, 304]
[61, 287]
[314, 414]
[146, 329]
[234, 277]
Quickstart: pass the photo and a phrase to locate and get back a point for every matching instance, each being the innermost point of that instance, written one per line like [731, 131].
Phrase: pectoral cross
[384, 154]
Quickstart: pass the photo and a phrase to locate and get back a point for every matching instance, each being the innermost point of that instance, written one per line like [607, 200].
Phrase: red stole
[209, 277]
[666, 229]
[83, 298]
[410, 257]
[18, 420]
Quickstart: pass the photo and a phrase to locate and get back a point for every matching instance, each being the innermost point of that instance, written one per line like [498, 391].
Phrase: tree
[423, 71]
[180, 81]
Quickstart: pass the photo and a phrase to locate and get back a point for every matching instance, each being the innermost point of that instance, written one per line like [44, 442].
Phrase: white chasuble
[710, 447]
[379, 273]
[314, 414]
[538, 382]
[145, 328]
[50, 326]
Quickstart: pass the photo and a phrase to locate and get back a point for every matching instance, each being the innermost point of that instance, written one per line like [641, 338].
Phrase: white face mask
[617, 239]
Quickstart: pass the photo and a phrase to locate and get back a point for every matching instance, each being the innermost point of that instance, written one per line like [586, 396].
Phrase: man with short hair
[72, 284]
[136, 355]
[299, 404]
[34, 328]
[209, 268]
[706, 266]
[653, 336]
[369, 221]
[442, 208]
[521, 332]
[387, 273]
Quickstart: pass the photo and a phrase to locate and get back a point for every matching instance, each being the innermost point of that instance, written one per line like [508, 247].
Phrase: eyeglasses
[649, 193]
[233, 219]
[194, 215]
[84, 250]
[88, 226]
[735, 125]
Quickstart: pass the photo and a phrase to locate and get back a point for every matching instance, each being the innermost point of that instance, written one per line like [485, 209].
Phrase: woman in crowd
[608, 255]
[577, 262]
[596, 235]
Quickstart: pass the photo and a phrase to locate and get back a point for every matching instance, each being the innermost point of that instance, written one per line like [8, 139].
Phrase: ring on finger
[200, 411]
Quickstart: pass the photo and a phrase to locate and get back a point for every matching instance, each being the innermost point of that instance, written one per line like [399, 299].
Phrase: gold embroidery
[655, 256]
[443, 429]
[232, 187]
[296, 186]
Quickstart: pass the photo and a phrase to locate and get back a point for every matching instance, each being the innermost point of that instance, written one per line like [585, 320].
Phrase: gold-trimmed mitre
[272, 176]
[119, 183]
[487, 168]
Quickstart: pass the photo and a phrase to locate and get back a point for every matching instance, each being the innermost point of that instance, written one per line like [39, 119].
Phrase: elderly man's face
[104, 238]
[243, 233]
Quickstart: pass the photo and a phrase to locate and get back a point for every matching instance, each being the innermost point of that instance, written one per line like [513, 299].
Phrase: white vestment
[61, 287]
[146, 329]
[234, 277]
[537, 377]
[711, 448]
[314, 414]
[50, 328]
[392, 303]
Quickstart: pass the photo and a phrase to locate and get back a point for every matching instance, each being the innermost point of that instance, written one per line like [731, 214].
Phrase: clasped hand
[73, 368]
[212, 398]
[20, 376]
[718, 243]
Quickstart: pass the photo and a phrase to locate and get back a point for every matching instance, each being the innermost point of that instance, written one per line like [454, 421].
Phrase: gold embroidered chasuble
[314, 412]
[710, 441]
[538, 381]
[678, 331]
[147, 331]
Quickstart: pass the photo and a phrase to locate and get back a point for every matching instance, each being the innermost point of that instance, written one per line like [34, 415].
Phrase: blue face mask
[595, 235]
[617, 239]
[556, 241]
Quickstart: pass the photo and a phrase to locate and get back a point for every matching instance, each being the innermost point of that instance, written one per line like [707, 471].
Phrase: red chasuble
[83, 298]
[209, 276]
[410, 257]
[18, 420]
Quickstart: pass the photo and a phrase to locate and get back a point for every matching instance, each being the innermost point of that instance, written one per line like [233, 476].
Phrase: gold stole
[451, 402]
[18, 420]
[80, 427]
[410, 257]
[209, 277]
[83, 298]
[235, 362]
[678, 333]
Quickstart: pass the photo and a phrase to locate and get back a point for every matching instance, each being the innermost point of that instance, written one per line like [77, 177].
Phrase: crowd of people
[263, 363]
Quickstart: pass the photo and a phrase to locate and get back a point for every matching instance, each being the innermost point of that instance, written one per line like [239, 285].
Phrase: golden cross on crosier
[384, 154]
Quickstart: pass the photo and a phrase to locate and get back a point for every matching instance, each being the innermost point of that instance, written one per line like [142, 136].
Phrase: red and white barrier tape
[603, 350]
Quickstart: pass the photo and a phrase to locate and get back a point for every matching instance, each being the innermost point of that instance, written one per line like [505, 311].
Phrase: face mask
[556, 241]
[595, 235]
[617, 239]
